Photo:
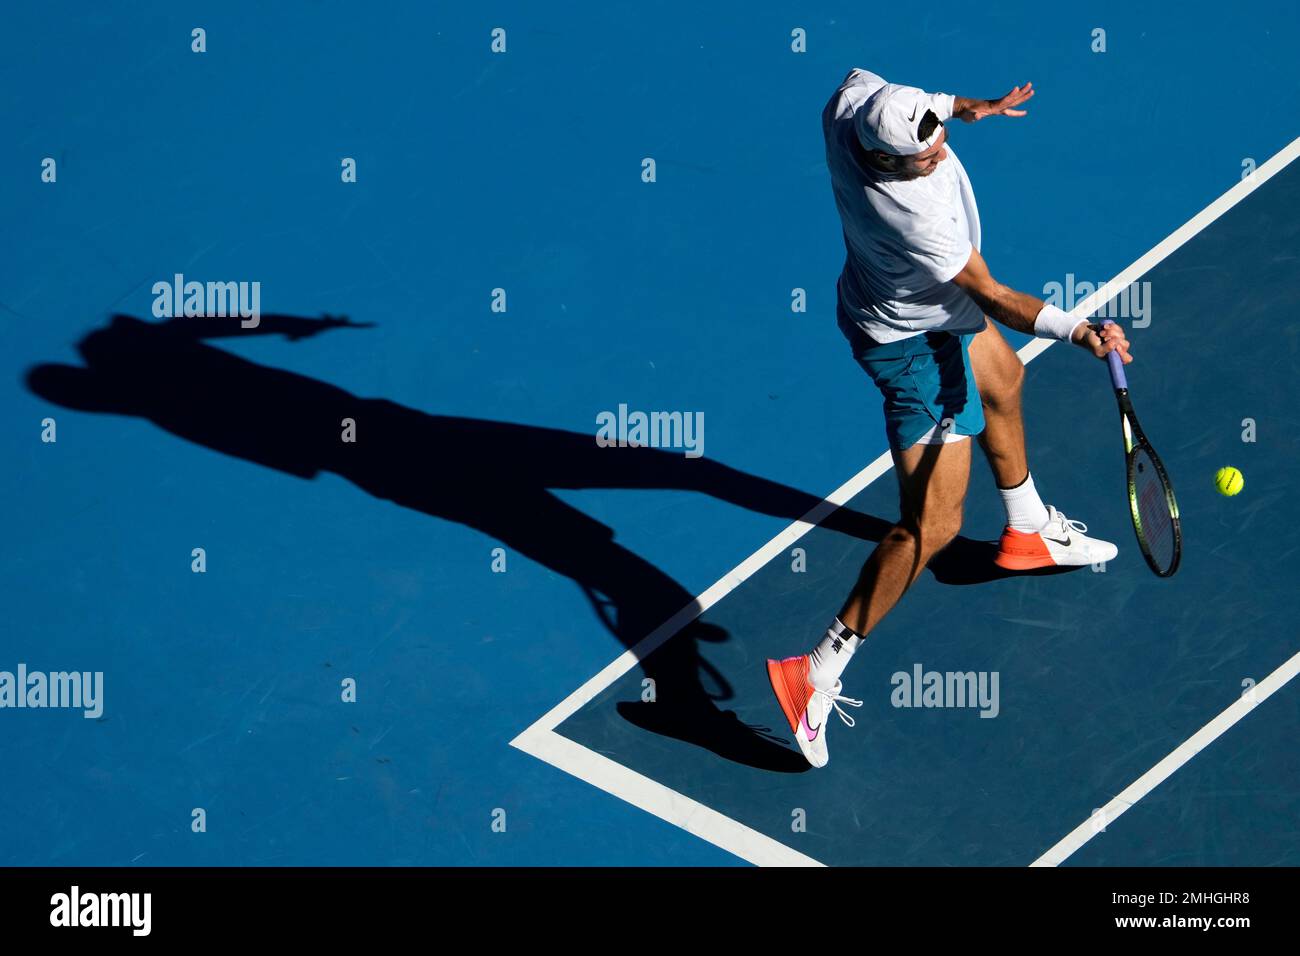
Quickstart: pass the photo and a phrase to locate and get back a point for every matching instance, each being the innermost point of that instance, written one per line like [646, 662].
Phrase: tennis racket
[1150, 494]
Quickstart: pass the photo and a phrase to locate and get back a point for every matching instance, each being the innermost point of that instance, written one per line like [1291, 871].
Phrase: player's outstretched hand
[1102, 339]
[975, 110]
[305, 328]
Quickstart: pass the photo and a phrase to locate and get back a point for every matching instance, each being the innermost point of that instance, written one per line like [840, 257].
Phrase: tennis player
[914, 301]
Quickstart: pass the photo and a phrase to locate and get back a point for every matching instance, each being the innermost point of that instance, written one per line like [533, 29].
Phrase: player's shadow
[495, 477]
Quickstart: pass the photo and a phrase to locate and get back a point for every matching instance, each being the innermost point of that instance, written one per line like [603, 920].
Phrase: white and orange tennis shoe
[1061, 542]
[806, 707]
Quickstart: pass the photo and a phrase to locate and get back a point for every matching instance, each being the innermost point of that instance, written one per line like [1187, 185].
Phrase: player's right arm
[1015, 310]
[1023, 312]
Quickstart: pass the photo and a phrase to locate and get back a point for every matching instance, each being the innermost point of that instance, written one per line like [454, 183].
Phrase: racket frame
[1135, 438]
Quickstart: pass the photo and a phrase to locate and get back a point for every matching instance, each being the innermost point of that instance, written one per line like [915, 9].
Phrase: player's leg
[1036, 535]
[929, 396]
[932, 488]
[999, 376]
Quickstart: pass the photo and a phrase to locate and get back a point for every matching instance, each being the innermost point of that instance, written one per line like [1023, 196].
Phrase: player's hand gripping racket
[1150, 494]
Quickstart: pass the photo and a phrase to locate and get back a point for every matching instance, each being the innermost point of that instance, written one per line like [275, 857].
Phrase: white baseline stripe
[1157, 775]
[540, 739]
[653, 797]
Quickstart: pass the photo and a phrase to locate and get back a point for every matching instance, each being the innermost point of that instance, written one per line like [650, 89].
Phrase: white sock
[831, 656]
[1025, 510]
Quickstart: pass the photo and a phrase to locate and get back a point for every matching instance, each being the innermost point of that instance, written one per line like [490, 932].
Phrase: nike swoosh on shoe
[812, 734]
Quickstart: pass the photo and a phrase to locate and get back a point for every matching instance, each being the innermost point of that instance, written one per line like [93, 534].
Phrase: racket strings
[1155, 521]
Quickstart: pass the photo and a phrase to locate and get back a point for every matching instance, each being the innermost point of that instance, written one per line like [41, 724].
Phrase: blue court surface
[469, 634]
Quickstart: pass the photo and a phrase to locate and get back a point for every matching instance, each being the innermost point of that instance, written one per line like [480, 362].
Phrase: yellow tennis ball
[1228, 481]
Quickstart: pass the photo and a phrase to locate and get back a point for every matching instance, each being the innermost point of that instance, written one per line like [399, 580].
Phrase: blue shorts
[926, 380]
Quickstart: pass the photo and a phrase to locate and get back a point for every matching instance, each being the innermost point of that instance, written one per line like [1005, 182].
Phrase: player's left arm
[292, 327]
[971, 111]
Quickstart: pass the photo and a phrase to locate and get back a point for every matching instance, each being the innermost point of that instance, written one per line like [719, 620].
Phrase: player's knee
[1005, 393]
[1017, 376]
[938, 528]
[907, 533]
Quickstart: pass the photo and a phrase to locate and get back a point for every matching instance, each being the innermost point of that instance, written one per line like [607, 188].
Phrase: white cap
[890, 118]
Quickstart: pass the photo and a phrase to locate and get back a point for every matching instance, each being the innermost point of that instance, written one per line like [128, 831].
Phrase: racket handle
[1117, 377]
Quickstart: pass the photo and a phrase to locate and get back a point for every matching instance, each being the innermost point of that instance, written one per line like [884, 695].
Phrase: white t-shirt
[905, 239]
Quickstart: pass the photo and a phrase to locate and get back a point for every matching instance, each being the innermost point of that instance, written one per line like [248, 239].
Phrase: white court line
[653, 797]
[541, 740]
[1157, 775]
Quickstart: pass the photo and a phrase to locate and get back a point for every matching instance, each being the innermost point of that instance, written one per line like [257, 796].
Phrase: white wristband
[1054, 323]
